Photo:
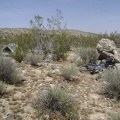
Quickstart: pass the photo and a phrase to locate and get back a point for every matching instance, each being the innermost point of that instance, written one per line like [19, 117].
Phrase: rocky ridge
[14, 31]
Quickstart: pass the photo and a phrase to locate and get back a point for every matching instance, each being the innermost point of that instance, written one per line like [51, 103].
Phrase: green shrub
[116, 117]
[85, 41]
[8, 71]
[57, 99]
[34, 58]
[2, 87]
[68, 71]
[24, 42]
[87, 54]
[112, 87]
[61, 45]
[18, 55]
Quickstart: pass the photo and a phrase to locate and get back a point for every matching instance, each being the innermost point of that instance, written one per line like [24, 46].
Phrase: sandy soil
[17, 103]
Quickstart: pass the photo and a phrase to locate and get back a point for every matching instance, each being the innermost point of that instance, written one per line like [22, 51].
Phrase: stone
[46, 117]
[97, 116]
[52, 86]
[94, 96]
[10, 88]
[78, 61]
[18, 96]
[38, 72]
[72, 56]
[107, 48]
[48, 79]
[106, 45]
[57, 72]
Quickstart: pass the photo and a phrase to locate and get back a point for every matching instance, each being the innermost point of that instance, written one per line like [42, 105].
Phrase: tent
[8, 49]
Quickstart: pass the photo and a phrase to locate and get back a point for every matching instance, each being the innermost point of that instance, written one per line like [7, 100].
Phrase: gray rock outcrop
[107, 48]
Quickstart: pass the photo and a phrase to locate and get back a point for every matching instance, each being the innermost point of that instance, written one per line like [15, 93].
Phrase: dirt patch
[16, 104]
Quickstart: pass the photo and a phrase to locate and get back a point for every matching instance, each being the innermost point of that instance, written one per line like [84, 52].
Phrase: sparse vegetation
[116, 116]
[87, 54]
[18, 55]
[55, 40]
[2, 87]
[8, 71]
[86, 41]
[112, 87]
[68, 71]
[34, 58]
[57, 99]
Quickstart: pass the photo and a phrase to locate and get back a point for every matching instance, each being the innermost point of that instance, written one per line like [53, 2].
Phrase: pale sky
[97, 16]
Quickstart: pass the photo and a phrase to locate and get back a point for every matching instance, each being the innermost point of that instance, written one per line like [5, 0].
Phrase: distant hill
[15, 31]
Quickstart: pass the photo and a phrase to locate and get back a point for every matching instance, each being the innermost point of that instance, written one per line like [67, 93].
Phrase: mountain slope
[14, 31]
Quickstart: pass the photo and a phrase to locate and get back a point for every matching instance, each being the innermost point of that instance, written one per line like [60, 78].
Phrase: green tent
[8, 49]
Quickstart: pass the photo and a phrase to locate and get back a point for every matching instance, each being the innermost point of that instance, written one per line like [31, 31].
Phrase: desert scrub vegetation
[112, 87]
[87, 55]
[24, 42]
[18, 55]
[116, 116]
[61, 45]
[51, 39]
[8, 71]
[34, 58]
[85, 41]
[68, 71]
[57, 99]
[2, 87]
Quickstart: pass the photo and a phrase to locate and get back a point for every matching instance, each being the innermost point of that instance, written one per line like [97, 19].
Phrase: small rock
[97, 116]
[72, 56]
[94, 96]
[28, 109]
[9, 116]
[52, 86]
[10, 88]
[46, 117]
[48, 79]
[18, 96]
[38, 72]
[57, 72]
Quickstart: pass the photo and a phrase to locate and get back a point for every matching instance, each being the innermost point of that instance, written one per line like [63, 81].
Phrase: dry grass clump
[2, 87]
[57, 99]
[68, 71]
[112, 86]
[87, 54]
[8, 71]
[34, 58]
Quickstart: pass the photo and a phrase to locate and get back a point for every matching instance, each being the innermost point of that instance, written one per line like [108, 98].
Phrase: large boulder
[107, 48]
[106, 45]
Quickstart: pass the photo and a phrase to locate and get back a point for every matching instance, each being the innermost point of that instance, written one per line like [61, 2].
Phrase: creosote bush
[34, 58]
[18, 55]
[112, 87]
[8, 71]
[86, 41]
[68, 71]
[57, 99]
[87, 54]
